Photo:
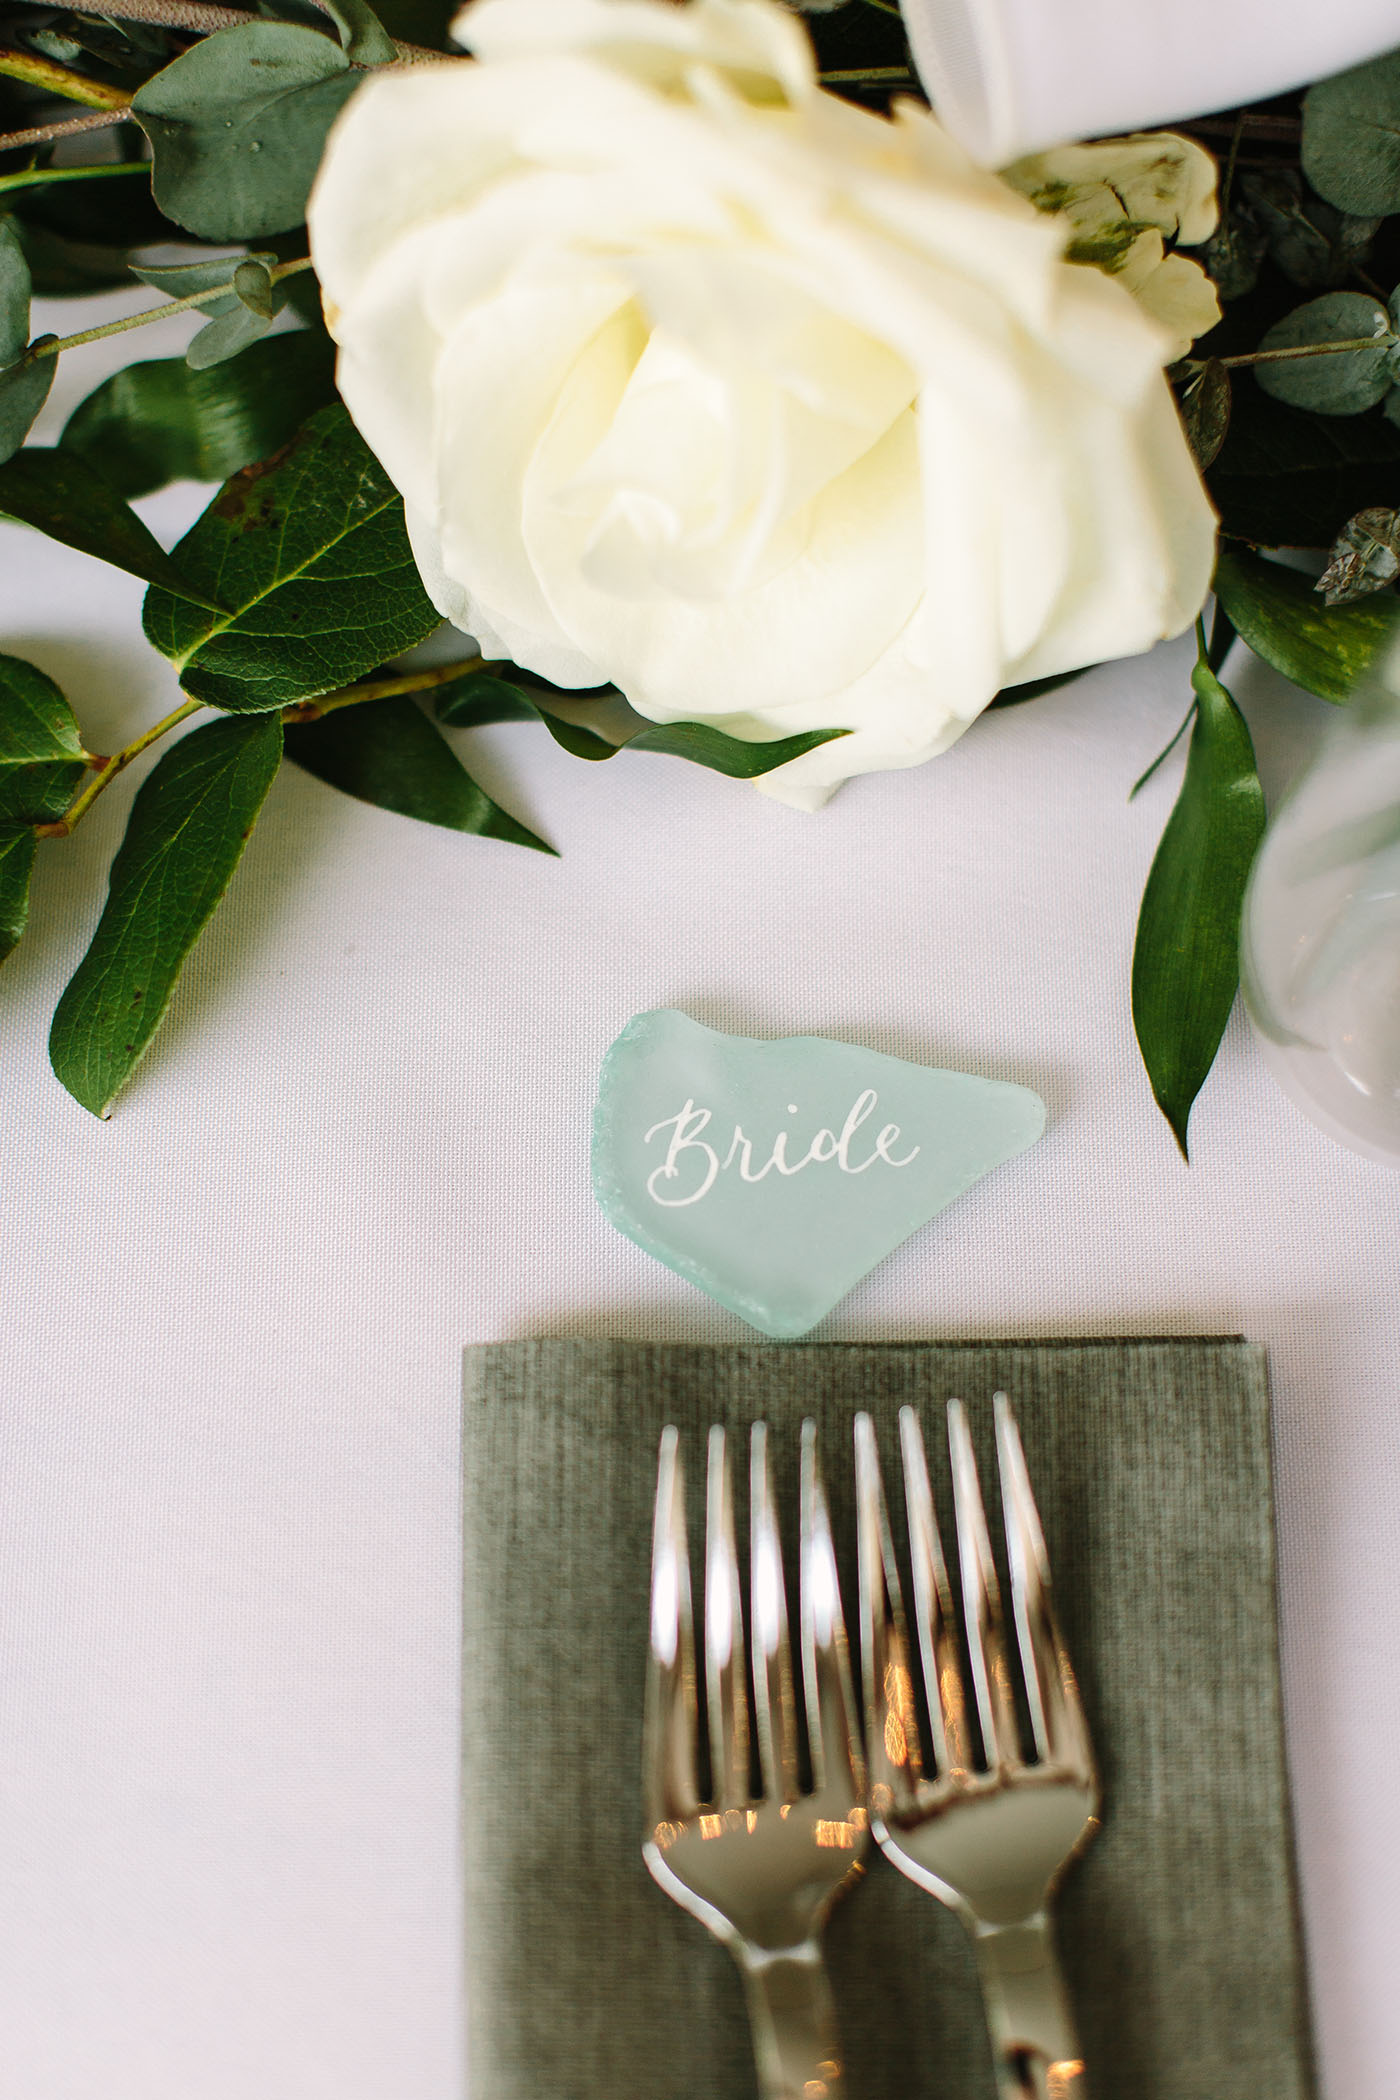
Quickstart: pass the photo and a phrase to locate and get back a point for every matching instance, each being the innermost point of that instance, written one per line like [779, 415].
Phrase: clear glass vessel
[1320, 941]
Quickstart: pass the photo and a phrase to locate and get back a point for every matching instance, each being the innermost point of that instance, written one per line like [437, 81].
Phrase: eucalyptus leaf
[17, 848]
[309, 553]
[422, 22]
[1328, 650]
[184, 280]
[187, 830]
[63, 268]
[1234, 253]
[1285, 478]
[1205, 402]
[1340, 383]
[158, 421]
[226, 337]
[14, 295]
[1313, 243]
[41, 753]
[237, 123]
[387, 752]
[24, 388]
[62, 494]
[363, 36]
[1351, 137]
[1186, 958]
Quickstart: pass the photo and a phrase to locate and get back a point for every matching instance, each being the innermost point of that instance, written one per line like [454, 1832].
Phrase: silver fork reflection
[761, 1871]
[990, 1838]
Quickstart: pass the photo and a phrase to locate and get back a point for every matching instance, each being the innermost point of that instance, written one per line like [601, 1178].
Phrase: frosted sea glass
[774, 1175]
[1320, 940]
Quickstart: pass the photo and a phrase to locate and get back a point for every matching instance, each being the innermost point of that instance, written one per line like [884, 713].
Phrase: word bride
[688, 1154]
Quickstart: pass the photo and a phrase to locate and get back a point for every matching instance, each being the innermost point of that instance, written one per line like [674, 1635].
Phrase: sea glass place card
[775, 1175]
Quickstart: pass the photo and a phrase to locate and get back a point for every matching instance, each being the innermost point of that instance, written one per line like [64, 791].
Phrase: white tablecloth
[232, 1317]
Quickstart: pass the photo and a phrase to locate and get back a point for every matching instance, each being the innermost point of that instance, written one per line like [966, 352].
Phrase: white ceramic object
[1009, 77]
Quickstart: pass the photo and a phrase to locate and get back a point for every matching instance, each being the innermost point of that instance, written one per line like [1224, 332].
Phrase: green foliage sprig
[193, 129]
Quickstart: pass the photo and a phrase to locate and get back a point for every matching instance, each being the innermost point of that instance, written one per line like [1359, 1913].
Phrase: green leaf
[1036, 688]
[14, 295]
[183, 280]
[1344, 382]
[1328, 650]
[387, 752]
[309, 553]
[41, 753]
[220, 340]
[24, 388]
[363, 37]
[63, 268]
[1186, 962]
[1313, 243]
[421, 22]
[473, 701]
[730, 755]
[186, 833]
[1205, 410]
[62, 494]
[1234, 254]
[237, 124]
[17, 848]
[1285, 478]
[1351, 137]
[157, 422]
[480, 698]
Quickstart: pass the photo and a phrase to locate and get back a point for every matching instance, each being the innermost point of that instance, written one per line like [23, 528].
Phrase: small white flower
[1124, 199]
[775, 412]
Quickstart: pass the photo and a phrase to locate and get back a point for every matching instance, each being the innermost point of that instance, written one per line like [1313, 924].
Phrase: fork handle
[1033, 2037]
[793, 2020]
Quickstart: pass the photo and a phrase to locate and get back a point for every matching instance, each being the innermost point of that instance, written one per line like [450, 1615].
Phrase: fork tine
[670, 1789]
[1058, 1721]
[934, 1621]
[991, 1681]
[775, 1710]
[832, 1729]
[891, 1722]
[724, 1637]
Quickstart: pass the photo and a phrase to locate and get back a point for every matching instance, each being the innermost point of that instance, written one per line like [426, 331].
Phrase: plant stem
[66, 128]
[60, 80]
[173, 14]
[55, 344]
[1271, 357]
[885, 7]
[852, 74]
[31, 178]
[380, 689]
[107, 769]
[206, 20]
[1228, 179]
[110, 769]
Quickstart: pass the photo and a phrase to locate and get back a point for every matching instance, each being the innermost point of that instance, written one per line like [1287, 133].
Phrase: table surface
[233, 1314]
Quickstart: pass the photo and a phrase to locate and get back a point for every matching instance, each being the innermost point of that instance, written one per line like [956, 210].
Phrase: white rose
[777, 413]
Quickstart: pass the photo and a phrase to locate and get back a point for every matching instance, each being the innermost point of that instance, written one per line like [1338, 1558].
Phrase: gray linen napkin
[1179, 1927]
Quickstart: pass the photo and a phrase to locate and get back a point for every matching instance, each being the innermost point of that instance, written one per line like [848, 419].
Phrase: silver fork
[992, 1838]
[762, 1872]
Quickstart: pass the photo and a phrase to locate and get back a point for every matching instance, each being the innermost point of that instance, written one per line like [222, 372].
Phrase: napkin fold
[1178, 1929]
